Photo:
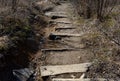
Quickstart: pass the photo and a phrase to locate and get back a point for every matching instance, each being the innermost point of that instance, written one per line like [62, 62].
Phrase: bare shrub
[88, 8]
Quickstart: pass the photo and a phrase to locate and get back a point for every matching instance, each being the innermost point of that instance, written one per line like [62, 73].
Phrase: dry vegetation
[22, 24]
[104, 39]
[89, 8]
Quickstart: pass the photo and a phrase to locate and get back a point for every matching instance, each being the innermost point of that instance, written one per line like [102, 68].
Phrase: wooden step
[87, 79]
[51, 13]
[61, 69]
[64, 22]
[58, 22]
[67, 35]
[56, 14]
[65, 27]
[60, 49]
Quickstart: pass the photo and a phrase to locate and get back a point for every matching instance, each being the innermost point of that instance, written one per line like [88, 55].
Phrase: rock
[24, 74]
[54, 37]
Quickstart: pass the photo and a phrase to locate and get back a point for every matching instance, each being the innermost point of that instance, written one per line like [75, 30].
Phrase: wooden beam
[61, 79]
[56, 14]
[57, 28]
[51, 13]
[87, 79]
[60, 49]
[68, 35]
[63, 22]
[61, 69]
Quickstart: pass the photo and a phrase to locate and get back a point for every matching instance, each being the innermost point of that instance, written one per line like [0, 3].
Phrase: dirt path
[71, 38]
[65, 57]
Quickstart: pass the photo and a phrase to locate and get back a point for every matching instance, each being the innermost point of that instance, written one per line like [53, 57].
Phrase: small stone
[79, 57]
[73, 76]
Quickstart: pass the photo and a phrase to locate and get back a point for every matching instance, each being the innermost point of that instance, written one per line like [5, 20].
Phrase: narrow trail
[67, 51]
[71, 38]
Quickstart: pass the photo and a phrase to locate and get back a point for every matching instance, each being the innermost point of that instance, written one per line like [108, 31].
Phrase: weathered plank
[51, 13]
[60, 69]
[56, 14]
[87, 79]
[61, 79]
[64, 22]
[60, 49]
[67, 34]
[66, 27]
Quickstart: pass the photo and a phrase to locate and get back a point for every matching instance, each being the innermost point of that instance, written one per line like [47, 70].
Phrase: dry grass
[105, 52]
[105, 56]
[24, 29]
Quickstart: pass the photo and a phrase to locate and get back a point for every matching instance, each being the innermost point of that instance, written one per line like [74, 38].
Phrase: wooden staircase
[61, 68]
